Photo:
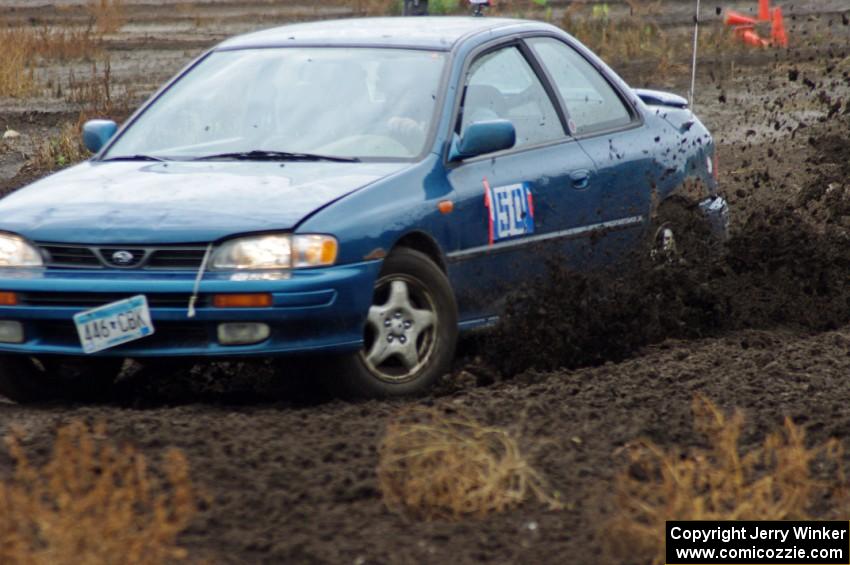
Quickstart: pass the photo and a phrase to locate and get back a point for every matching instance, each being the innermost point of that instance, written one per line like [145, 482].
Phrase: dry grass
[532, 9]
[639, 37]
[621, 40]
[59, 151]
[435, 466]
[774, 481]
[93, 503]
[63, 44]
[189, 11]
[97, 95]
[16, 72]
[108, 15]
[374, 7]
[53, 43]
[25, 47]
[395, 7]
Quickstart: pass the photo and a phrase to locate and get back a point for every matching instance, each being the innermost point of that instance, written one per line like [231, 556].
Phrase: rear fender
[688, 163]
[689, 168]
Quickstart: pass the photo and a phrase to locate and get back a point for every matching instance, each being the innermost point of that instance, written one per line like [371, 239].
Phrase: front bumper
[313, 309]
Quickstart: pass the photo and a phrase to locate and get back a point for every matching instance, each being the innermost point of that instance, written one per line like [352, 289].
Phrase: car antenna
[691, 94]
[194, 299]
[478, 7]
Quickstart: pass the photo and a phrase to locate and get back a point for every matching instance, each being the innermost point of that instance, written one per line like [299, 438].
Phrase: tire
[26, 380]
[410, 335]
[681, 233]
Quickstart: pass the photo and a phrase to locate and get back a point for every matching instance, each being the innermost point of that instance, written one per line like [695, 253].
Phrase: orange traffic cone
[751, 38]
[764, 10]
[738, 19]
[777, 32]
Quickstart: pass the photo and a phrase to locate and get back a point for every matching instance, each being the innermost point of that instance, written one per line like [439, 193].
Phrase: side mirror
[97, 132]
[480, 138]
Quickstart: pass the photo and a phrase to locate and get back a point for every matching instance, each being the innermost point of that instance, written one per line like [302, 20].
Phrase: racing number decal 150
[510, 209]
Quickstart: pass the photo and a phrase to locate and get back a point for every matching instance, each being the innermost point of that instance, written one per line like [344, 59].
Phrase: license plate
[114, 324]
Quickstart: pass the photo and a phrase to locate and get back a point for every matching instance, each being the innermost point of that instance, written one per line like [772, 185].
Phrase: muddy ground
[291, 477]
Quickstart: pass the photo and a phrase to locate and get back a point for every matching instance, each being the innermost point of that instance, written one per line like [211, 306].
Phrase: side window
[502, 85]
[592, 103]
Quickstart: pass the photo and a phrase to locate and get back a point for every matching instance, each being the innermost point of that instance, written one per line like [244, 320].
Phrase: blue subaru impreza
[360, 191]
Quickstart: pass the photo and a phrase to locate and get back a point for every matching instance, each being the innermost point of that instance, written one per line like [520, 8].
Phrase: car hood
[177, 202]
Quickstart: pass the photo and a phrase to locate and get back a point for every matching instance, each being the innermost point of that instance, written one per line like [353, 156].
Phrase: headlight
[16, 252]
[275, 252]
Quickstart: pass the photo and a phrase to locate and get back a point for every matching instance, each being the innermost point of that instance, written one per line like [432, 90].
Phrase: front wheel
[410, 335]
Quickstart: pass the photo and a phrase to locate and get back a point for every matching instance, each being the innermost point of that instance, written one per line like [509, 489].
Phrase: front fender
[403, 207]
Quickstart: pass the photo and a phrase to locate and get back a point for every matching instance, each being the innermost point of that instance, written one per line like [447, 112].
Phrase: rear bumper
[313, 310]
[716, 210]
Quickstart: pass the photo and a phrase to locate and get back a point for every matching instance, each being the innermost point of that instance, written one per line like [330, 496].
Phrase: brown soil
[764, 327]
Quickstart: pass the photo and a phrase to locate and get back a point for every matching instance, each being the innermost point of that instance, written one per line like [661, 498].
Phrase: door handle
[580, 179]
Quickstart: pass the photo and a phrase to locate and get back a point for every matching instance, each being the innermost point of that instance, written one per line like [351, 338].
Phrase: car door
[612, 134]
[516, 208]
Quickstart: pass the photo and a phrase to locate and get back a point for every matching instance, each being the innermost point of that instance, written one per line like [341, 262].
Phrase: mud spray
[785, 266]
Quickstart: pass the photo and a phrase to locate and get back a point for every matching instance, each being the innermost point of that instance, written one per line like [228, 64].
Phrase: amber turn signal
[8, 299]
[242, 300]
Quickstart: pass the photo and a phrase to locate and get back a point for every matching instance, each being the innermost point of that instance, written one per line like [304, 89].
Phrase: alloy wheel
[401, 329]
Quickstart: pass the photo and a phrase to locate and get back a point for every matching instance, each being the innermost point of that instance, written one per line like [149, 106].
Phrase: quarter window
[502, 85]
[592, 103]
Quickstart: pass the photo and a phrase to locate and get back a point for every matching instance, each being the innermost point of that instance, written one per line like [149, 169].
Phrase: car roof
[428, 32]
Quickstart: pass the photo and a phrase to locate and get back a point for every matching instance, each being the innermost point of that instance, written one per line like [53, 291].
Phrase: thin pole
[694, 61]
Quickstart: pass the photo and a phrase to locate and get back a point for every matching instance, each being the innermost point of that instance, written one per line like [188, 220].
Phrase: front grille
[161, 257]
[177, 258]
[165, 335]
[70, 257]
[95, 299]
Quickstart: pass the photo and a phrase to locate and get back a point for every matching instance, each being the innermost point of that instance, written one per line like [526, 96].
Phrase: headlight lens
[16, 252]
[313, 251]
[275, 252]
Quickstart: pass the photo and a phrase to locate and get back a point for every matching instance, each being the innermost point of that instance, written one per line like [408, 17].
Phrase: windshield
[350, 103]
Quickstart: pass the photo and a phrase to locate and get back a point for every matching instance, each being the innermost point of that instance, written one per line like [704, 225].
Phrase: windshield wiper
[134, 158]
[261, 155]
